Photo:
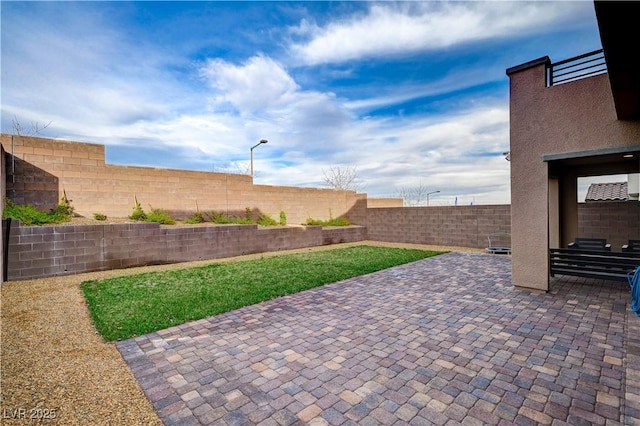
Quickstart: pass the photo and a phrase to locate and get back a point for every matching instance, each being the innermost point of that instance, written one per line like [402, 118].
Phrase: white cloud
[77, 71]
[268, 99]
[408, 27]
[456, 154]
[258, 84]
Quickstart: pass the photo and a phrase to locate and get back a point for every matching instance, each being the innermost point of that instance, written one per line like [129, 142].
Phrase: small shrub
[340, 221]
[197, 217]
[265, 220]
[223, 219]
[242, 221]
[99, 216]
[283, 218]
[160, 216]
[64, 207]
[29, 214]
[247, 214]
[137, 213]
[219, 218]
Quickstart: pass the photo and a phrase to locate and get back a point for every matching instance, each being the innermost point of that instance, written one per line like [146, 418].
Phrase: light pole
[259, 143]
[429, 193]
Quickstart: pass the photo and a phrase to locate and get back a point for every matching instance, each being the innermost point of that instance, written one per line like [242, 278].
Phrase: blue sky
[408, 93]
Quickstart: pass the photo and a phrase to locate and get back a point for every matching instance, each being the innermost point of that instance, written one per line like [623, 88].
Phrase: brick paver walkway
[446, 340]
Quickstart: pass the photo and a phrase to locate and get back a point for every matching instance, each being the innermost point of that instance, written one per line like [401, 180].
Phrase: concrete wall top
[384, 202]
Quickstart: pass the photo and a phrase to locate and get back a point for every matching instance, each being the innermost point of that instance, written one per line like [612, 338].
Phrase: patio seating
[632, 246]
[590, 244]
[593, 263]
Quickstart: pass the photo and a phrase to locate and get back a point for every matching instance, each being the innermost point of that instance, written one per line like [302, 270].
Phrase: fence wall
[617, 222]
[59, 250]
[463, 226]
[44, 168]
[37, 252]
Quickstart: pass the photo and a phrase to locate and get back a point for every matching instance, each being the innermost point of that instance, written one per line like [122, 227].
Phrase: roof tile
[613, 191]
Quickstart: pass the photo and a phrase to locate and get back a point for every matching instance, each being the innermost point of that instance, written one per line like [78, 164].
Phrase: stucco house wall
[572, 117]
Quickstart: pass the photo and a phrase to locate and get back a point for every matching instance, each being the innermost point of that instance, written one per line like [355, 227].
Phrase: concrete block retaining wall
[36, 252]
[58, 250]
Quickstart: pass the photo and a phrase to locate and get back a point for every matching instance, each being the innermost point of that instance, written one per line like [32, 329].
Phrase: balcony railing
[572, 69]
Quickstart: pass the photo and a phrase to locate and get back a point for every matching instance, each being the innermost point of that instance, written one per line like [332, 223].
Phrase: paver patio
[446, 340]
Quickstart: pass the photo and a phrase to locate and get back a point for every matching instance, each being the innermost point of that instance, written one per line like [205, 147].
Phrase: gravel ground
[56, 369]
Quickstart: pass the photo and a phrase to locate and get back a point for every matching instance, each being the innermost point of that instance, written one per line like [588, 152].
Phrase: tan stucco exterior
[574, 117]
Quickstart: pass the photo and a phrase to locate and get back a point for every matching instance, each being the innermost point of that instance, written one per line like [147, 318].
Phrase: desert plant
[219, 218]
[138, 213]
[223, 219]
[339, 221]
[160, 216]
[247, 214]
[283, 218]
[242, 221]
[266, 220]
[197, 217]
[99, 216]
[30, 215]
[64, 207]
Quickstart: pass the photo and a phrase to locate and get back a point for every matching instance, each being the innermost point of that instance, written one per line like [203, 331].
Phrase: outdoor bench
[605, 265]
[590, 244]
[632, 246]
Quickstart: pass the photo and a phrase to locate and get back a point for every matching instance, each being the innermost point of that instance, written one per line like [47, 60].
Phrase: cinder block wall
[463, 226]
[385, 202]
[618, 222]
[59, 250]
[44, 168]
[36, 252]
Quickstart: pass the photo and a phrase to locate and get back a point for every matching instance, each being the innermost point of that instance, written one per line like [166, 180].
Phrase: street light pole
[429, 193]
[259, 143]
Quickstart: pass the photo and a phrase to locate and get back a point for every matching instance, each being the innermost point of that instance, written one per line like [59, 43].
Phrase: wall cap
[591, 153]
[534, 63]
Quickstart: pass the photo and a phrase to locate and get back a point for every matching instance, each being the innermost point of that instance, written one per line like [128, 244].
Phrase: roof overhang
[606, 161]
[620, 37]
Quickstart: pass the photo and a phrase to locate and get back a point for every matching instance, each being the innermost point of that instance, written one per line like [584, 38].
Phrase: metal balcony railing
[572, 69]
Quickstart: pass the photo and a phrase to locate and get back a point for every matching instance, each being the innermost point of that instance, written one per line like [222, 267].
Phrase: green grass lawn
[134, 305]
